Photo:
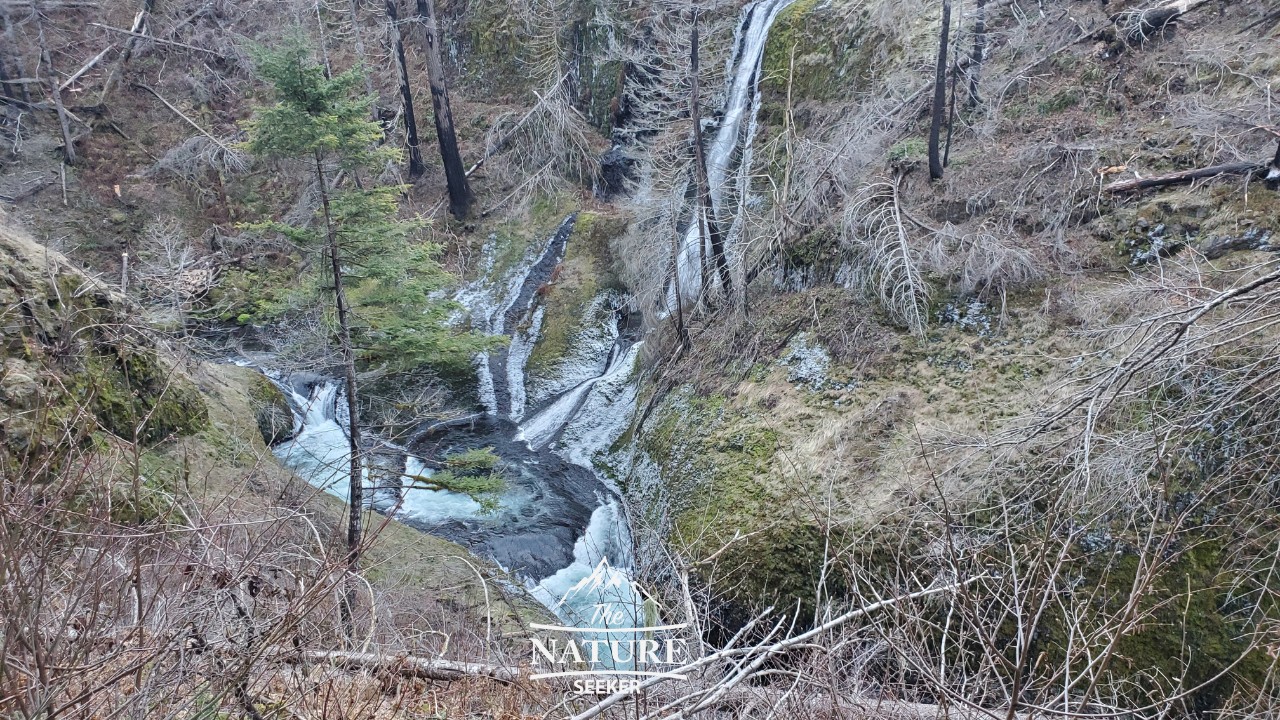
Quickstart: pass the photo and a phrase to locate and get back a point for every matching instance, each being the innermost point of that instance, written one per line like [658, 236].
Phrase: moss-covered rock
[271, 410]
[588, 269]
[76, 360]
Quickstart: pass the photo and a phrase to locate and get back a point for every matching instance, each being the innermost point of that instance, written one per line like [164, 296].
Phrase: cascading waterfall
[741, 103]
[560, 523]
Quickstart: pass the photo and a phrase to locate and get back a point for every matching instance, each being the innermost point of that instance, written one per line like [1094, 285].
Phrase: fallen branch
[404, 665]
[1140, 25]
[768, 650]
[87, 67]
[502, 141]
[155, 39]
[1184, 176]
[182, 115]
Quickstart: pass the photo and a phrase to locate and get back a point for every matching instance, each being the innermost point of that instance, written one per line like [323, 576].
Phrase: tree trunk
[356, 487]
[416, 166]
[1184, 176]
[454, 173]
[951, 102]
[708, 226]
[11, 41]
[939, 96]
[1273, 172]
[362, 58]
[979, 50]
[64, 122]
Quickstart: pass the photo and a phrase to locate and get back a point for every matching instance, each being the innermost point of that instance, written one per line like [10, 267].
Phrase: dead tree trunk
[455, 174]
[708, 226]
[1273, 172]
[939, 96]
[979, 51]
[1137, 26]
[1186, 176]
[416, 166]
[355, 508]
[362, 58]
[138, 30]
[64, 121]
[11, 42]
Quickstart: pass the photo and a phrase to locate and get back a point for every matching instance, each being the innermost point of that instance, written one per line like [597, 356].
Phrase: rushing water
[731, 148]
[559, 523]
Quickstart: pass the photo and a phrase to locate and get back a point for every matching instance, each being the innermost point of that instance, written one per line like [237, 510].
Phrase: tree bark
[64, 122]
[138, 30]
[939, 96]
[11, 41]
[362, 57]
[1185, 176]
[1273, 172]
[356, 485]
[708, 226]
[979, 51]
[416, 166]
[454, 173]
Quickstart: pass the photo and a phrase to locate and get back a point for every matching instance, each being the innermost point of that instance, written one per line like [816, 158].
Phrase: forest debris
[404, 665]
[1183, 176]
[1137, 26]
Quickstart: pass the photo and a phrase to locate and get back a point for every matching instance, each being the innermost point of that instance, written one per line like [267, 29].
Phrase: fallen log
[1138, 26]
[1184, 176]
[409, 666]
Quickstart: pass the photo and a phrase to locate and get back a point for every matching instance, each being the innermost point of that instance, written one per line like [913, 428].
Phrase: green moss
[585, 272]
[271, 410]
[835, 52]
[255, 295]
[909, 149]
[1060, 101]
[133, 395]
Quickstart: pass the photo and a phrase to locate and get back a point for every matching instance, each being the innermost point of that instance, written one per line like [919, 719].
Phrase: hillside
[910, 358]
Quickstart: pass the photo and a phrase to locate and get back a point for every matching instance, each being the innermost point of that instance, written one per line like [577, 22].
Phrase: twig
[162, 41]
[182, 115]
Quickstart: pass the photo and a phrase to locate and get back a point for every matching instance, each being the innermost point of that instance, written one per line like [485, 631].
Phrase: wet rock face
[616, 171]
[547, 503]
[272, 413]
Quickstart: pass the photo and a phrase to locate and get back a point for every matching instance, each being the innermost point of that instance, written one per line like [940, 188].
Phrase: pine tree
[381, 277]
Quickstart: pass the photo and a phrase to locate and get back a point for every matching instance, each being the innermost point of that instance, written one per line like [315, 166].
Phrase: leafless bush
[884, 261]
[171, 272]
[981, 264]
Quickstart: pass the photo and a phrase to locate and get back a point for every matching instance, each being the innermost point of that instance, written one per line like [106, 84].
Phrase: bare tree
[416, 166]
[939, 111]
[454, 171]
[64, 119]
[979, 53]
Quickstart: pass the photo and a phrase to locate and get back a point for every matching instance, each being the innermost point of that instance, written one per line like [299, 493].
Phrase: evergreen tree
[381, 276]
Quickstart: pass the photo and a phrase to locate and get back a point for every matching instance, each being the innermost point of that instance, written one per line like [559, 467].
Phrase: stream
[559, 523]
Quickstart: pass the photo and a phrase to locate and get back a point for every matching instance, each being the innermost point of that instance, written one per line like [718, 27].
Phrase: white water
[542, 428]
[433, 506]
[599, 574]
[742, 97]
[522, 344]
[596, 386]
[319, 450]
[489, 299]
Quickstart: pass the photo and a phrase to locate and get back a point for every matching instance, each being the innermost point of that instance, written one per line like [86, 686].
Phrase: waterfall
[560, 522]
[499, 300]
[741, 103]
